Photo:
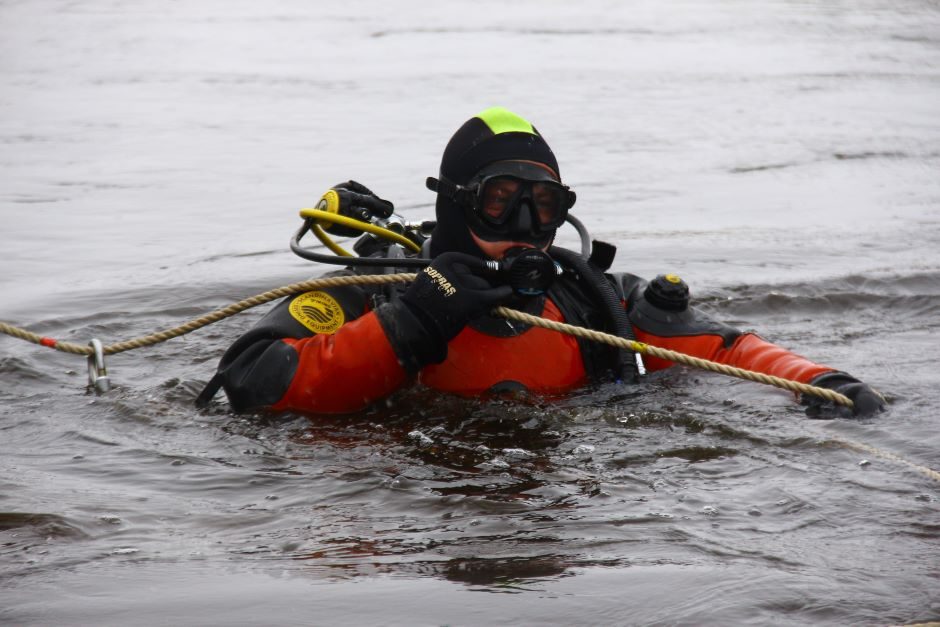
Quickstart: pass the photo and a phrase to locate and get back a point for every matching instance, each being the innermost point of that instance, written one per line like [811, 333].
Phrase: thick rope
[209, 318]
[681, 358]
[381, 279]
[866, 448]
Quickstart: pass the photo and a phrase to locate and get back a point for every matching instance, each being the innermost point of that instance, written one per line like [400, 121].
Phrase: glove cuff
[833, 379]
[415, 342]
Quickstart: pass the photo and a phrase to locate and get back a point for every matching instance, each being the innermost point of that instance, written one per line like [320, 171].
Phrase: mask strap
[441, 186]
[459, 194]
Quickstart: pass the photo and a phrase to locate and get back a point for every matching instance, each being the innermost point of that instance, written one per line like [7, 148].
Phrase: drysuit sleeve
[320, 352]
[748, 351]
[693, 332]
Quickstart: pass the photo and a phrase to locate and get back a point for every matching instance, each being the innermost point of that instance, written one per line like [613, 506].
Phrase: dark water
[782, 156]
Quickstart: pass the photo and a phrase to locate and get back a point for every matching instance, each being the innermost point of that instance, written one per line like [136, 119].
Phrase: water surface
[781, 156]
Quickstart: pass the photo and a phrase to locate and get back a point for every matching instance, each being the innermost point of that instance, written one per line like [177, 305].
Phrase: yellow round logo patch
[318, 311]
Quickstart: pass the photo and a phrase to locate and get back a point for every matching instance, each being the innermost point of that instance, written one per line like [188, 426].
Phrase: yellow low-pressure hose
[328, 241]
[366, 227]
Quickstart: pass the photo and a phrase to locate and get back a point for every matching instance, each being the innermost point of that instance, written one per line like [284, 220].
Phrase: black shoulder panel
[630, 285]
[652, 319]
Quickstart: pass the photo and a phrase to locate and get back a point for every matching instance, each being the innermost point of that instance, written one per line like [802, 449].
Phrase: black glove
[444, 297]
[353, 200]
[867, 402]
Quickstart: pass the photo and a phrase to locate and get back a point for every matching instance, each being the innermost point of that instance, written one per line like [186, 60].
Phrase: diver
[499, 197]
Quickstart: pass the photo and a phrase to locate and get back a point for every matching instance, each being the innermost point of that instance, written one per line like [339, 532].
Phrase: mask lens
[500, 197]
[549, 199]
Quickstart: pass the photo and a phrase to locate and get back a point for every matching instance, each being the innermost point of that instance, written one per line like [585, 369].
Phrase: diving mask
[497, 197]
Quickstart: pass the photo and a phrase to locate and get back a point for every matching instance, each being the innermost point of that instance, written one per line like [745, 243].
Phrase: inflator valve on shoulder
[529, 271]
[668, 292]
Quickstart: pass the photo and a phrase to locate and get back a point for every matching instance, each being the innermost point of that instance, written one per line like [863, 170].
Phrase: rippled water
[782, 156]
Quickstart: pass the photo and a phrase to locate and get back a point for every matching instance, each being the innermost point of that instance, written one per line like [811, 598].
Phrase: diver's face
[496, 249]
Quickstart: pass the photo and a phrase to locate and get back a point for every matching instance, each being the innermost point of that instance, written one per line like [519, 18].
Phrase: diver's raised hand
[358, 195]
[440, 302]
[353, 200]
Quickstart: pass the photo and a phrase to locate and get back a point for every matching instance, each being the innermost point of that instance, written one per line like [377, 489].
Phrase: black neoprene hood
[495, 134]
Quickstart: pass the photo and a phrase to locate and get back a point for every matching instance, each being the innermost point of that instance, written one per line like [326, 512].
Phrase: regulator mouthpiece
[353, 205]
[529, 271]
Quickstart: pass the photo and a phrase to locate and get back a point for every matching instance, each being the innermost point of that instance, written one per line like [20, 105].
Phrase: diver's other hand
[356, 195]
[352, 200]
[866, 400]
[440, 302]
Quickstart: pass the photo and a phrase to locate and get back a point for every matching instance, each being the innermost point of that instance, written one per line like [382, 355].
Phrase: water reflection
[497, 492]
[505, 574]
